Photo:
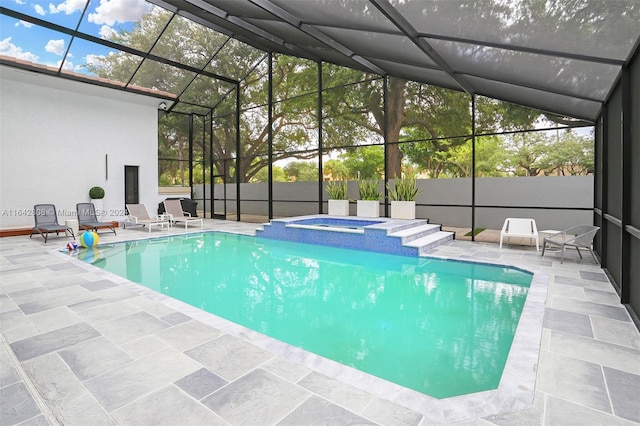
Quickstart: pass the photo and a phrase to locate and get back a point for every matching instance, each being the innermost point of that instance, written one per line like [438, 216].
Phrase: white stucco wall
[54, 136]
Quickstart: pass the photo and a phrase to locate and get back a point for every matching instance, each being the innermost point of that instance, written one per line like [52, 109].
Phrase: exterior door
[131, 185]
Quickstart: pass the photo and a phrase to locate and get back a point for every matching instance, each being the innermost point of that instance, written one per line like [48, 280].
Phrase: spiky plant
[337, 189]
[368, 189]
[403, 189]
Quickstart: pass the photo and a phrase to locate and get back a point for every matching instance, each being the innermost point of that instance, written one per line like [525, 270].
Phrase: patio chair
[174, 209]
[88, 220]
[520, 227]
[578, 237]
[139, 215]
[46, 220]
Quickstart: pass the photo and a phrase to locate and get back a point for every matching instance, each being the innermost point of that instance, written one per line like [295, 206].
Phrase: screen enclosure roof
[559, 56]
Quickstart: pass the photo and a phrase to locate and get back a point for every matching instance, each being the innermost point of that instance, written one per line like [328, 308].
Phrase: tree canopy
[425, 126]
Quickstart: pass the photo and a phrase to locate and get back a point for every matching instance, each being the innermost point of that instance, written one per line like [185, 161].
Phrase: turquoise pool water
[442, 328]
[332, 222]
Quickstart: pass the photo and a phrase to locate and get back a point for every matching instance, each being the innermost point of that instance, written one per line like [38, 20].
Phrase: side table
[166, 216]
[73, 224]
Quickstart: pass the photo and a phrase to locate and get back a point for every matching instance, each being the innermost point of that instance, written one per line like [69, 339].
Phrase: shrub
[96, 193]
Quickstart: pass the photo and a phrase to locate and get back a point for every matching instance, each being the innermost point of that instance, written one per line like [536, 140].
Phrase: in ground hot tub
[333, 223]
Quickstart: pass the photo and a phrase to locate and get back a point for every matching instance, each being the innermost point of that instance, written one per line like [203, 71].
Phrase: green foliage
[570, 154]
[490, 158]
[263, 175]
[96, 193]
[364, 162]
[526, 151]
[403, 189]
[335, 169]
[301, 171]
[337, 189]
[368, 189]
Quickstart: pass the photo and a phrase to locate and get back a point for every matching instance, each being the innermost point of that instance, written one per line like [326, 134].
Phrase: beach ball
[89, 239]
[72, 246]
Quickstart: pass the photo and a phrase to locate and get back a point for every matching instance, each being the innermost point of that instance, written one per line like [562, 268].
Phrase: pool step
[415, 232]
[423, 237]
[430, 241]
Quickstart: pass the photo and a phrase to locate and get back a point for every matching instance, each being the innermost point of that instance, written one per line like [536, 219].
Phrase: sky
[25, 41]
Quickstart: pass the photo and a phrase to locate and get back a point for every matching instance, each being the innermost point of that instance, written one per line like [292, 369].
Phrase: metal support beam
[604, 168]
[238, 153]
[270, 132]
[385, 137]
[110, 44]
[191, 132]
[292, 20]
[473, 167]
[412, 34]
[320, 141]
[627, 185]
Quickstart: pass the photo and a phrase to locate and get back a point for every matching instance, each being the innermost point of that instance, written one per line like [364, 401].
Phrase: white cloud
[93, 59]
[20, 2]
[68, 65]
[106, 32]
[9, 49]
[55, 46]
[67, 6]
[39, 10]
[24, 24]
[111, 11]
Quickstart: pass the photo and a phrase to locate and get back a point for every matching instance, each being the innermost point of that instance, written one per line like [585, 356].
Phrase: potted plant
[96, 194]
[403, 194]
[369, 203]
[338, 202]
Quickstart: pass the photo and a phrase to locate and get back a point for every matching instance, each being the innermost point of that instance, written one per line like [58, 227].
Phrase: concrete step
[401, 225]
[430, 241]
[415, 232]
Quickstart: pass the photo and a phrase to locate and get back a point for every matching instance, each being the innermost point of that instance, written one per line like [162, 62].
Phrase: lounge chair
[139, 215]
[520, 227]
[578, 237]
[174, 209]
[88, 220]
[46, 220]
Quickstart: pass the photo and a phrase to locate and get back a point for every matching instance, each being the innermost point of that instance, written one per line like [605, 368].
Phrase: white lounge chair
[578, 237]
[139, 215]
[174, 209]
[520, 227]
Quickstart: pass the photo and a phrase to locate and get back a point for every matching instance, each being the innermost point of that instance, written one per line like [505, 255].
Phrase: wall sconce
[163, 106]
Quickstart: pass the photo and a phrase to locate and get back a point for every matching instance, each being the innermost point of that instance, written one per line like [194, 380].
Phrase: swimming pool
[395, 317]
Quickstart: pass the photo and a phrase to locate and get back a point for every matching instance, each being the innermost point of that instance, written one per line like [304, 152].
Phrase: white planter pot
[403, 209]
[339, 207]
[99, 206]
[368, 208]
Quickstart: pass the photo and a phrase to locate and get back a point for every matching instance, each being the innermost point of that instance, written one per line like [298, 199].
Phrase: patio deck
[82, 347]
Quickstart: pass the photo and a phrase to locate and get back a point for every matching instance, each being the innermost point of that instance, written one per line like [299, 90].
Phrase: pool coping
[515, 390]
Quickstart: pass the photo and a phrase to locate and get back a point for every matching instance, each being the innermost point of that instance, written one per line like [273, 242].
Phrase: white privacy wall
[54, 136]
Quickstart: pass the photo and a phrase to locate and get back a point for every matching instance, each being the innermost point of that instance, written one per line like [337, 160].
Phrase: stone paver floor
[81, 346]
